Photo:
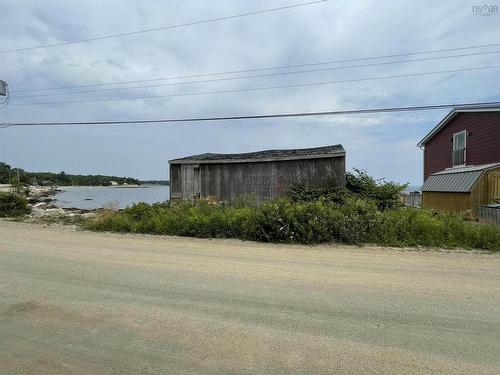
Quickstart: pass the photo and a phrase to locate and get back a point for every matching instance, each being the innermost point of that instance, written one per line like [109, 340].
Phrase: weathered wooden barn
[462, 188]
[263, 174]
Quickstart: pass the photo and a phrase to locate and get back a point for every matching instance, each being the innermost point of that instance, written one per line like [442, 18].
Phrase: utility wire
[264, 68]
[264, 87]
[262, 116]
[210, 20]
[252, 76]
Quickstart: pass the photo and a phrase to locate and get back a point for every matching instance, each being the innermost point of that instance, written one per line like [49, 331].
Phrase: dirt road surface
[75, 302]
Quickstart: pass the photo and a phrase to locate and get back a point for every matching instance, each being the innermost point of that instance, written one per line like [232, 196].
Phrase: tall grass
[356, 220]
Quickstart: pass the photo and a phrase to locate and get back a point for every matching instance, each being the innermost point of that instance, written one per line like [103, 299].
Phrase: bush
[13, 205]
[356, 220]
[300, 193]
[385, 193]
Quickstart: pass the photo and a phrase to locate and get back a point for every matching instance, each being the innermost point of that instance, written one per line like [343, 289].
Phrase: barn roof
[267, 155]
[457, 179]
[450, 116]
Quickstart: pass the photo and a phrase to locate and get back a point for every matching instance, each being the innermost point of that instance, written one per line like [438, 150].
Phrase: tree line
[14, 175]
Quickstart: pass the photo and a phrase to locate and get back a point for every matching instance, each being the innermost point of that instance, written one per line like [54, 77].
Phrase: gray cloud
[384, 144]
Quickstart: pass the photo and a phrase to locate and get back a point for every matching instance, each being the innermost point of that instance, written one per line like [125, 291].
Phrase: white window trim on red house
[455, 135]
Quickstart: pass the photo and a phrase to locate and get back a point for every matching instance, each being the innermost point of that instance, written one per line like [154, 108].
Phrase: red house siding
[482, 144]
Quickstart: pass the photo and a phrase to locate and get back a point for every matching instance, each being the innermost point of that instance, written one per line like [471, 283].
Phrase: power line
[253, 76]
[265, 68]
[210, 20]
[264, 87]
[262, 116]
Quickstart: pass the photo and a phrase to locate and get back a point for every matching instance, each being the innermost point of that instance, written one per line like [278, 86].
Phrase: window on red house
[459, 143]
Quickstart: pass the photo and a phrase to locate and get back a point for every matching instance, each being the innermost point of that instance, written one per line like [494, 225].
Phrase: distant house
[263, 174]
[462, 160]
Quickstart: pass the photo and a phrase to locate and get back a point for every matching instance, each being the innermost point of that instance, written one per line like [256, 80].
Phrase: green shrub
[13, 205]
[386, 193]
[301, 193]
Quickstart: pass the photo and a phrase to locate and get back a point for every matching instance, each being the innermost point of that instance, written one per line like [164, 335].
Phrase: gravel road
[74, 302]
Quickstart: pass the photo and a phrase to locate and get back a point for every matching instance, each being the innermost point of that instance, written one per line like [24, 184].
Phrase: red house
[466, 136]
[462, 160]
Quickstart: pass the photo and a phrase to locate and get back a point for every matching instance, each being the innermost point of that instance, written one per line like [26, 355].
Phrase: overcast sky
[383, 144]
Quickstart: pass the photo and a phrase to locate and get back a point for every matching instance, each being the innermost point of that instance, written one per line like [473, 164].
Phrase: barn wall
[479, 194]
[486, 190]
[494, 186]
[190, 181]
[482, 144]
[267, 180]
[446, 201]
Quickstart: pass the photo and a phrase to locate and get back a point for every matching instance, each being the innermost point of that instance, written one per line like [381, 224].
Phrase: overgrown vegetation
[385, 194]
[368, 211]
[10, 175]
[12, 205]
[356, 221]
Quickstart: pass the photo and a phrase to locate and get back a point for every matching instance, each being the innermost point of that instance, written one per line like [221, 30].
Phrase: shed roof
[457, 179]
[451, 115]
[267, 155]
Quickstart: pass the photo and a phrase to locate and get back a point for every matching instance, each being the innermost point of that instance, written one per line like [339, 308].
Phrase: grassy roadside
[357, 221]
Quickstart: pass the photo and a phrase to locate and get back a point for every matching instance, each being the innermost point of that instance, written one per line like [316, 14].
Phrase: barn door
[191, 181]
[494, 179]
[197, 182]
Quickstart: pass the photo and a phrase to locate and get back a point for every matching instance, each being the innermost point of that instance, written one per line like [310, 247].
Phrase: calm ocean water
[89, 197]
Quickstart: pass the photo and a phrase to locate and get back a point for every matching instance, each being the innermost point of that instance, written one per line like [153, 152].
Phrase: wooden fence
[413, 199]
[490, 214]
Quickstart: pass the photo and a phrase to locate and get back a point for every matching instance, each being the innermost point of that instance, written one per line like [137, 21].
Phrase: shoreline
[68, 187]
[97, 197]
[47, 204]
[42, 203]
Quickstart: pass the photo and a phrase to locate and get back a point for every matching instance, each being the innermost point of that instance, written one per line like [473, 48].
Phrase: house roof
[450, 116]
[457, 179]
[262, 156]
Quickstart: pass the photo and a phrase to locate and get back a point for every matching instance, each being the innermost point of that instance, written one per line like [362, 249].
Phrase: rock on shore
[42, 208]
